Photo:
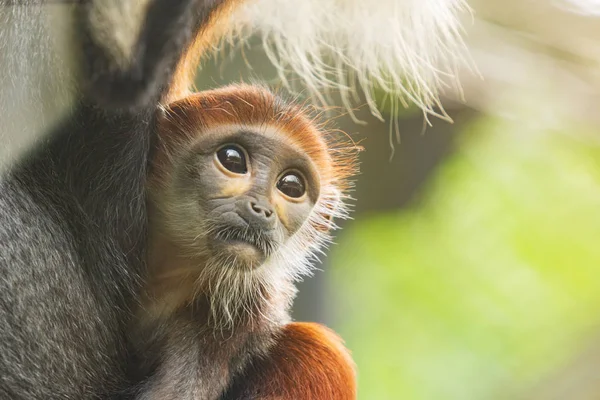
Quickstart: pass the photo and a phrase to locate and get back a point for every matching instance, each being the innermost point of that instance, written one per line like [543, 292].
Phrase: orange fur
[208, 33]
[308, 362]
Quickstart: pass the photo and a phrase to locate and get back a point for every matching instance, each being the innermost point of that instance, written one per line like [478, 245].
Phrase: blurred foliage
[489, 282]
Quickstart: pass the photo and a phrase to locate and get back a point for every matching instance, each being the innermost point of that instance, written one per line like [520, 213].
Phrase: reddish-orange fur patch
[309, 362]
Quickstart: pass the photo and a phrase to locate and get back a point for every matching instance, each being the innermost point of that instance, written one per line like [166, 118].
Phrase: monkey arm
[73, 216]
[131, 48]
[308, 362]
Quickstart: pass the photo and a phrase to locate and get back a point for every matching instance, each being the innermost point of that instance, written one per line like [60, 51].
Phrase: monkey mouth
[245, 236]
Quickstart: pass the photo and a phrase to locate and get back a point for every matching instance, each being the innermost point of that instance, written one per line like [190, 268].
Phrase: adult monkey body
[73, 218]
[72, 226]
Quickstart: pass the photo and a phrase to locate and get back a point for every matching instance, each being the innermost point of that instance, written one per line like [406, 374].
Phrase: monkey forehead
[263, 136]
[249, 107]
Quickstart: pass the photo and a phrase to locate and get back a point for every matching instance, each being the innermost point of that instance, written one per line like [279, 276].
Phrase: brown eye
[233, 159]
[291, 185]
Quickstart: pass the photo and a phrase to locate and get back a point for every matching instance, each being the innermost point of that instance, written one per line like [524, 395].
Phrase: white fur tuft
[409, 49]
[585, 7]
[117, 25]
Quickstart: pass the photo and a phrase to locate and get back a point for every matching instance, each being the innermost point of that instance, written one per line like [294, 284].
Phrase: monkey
[243, 189]
[73, 218]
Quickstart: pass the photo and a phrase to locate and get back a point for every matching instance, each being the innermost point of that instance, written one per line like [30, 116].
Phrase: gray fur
[46, 332]
[73, 213]
[195, 362]
[36, 83]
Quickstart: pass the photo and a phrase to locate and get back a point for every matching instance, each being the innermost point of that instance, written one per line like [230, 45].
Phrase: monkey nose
[260, 209]
[259, 214]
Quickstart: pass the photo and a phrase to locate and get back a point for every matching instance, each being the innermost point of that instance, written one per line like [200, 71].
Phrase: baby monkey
[243, 190]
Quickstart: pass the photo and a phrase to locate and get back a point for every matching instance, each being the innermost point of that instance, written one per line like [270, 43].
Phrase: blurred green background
[487, 281]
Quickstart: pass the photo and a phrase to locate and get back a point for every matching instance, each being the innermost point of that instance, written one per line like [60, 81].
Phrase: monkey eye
[292, 185]
[233, 159]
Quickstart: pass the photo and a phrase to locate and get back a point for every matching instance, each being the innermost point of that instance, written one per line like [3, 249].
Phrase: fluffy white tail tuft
[409, 49]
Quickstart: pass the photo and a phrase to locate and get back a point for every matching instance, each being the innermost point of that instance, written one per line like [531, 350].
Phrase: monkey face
[243, 194]
[244, 188]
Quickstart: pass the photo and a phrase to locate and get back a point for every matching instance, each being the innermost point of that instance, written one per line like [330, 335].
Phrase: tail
[408, 49]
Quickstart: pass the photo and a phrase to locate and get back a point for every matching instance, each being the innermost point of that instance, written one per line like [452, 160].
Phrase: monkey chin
[239, 254]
